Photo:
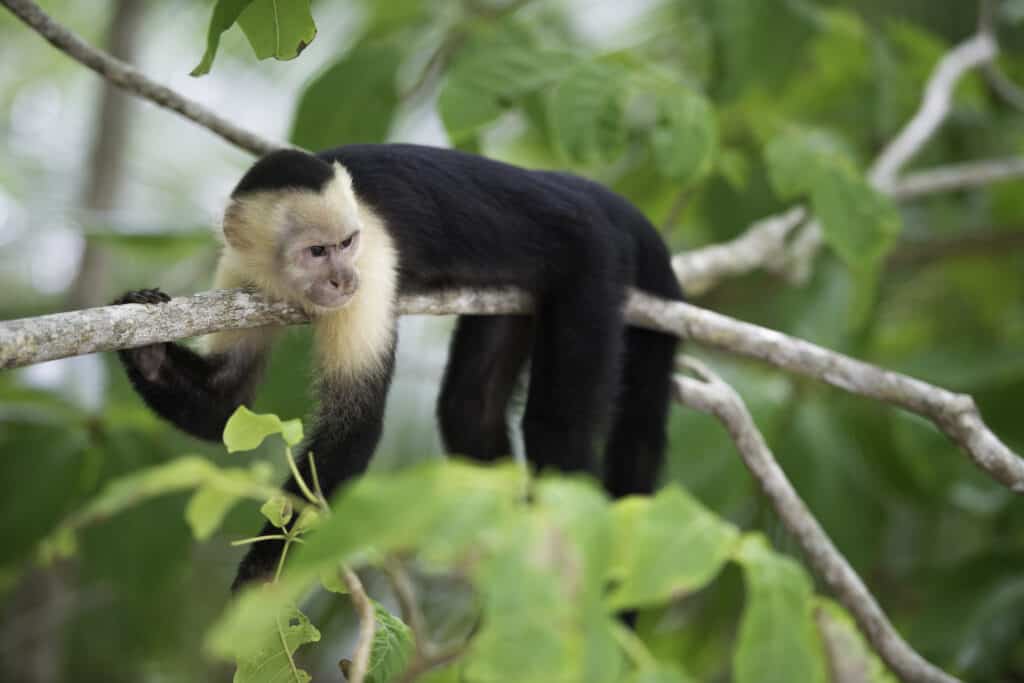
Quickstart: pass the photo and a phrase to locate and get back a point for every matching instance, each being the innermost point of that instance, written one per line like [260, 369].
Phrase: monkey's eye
[318, 250]
[347, 242]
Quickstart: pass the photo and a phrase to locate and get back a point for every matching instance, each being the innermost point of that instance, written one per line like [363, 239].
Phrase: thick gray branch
[131, 79]
[711, 395]
[958, 177]
[34, 340]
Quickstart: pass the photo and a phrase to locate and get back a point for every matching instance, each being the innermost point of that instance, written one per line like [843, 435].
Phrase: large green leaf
[665, 546]
[778, 640]
[225, 13]
[586, 114]
[354, 100]
[278, 28]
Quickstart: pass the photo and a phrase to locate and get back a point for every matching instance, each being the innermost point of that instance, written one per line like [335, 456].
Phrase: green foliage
[278, 28]
[275, 28]
[778, 592]
[353, 100]
[273, 663]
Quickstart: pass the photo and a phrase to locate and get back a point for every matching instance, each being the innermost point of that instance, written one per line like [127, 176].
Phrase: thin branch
[935, 107]
[954, 177]
[711, 395]
[131, 79]
[367, 625]
[33, 340]
[701, 269]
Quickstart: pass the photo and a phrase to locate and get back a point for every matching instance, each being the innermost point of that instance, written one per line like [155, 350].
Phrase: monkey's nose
[335, 284]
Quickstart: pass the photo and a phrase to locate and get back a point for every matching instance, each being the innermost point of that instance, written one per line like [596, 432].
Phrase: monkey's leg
[636, 443]
[574, 371]
[196, 393]
[345, 433]
[486, 356]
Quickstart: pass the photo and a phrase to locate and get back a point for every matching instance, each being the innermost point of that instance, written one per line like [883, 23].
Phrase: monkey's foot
[142, 296]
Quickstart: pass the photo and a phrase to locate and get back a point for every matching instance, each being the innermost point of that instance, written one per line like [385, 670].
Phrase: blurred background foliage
[677, 104]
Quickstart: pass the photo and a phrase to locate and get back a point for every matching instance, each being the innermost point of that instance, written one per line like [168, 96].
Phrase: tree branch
[958, 177]
[131, 79]
[33, 340]
[360, 662]
[709, 394]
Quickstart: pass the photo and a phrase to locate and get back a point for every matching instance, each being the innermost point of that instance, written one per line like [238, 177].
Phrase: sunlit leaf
[845, 645]
[778, 641]
[246, 430]
[278, 28]
[273, 662]
[278, 511]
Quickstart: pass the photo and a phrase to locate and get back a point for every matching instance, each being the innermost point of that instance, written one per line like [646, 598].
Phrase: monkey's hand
[146, 359]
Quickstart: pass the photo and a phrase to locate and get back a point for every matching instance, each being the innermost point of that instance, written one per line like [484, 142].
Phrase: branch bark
[33, 340]
[134, 81]
[709, 394]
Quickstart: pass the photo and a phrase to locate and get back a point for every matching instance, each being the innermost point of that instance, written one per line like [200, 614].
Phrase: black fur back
[285, 169]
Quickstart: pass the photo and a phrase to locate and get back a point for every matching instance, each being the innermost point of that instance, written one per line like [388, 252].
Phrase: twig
[367, 626]
[34, 340]
[406, 594]
[131, 79]
[711, 395]
[962, 176]
[935, 106]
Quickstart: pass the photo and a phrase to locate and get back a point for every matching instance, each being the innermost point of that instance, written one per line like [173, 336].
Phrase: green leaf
[392, 647]
[273, 662]
[246, 430]
[527, 632]
[796, 157]
[778, 641]
[665, 546]
[225, 13]
[308, 519]
[206, 510]
[248, 628]
[278, 28]
[354, 100]
[586, 114]
[581, 512]
[685, 135]
[278, 511]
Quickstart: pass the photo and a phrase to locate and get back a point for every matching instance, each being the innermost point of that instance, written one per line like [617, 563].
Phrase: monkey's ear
[234, 225]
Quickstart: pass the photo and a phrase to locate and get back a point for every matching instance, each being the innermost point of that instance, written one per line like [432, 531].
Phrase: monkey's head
[294, 225]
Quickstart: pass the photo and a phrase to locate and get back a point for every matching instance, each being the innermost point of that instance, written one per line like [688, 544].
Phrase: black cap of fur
[285, 169]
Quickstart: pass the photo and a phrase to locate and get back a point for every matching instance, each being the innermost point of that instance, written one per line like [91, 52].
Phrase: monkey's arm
[196, 393]
[344, 436]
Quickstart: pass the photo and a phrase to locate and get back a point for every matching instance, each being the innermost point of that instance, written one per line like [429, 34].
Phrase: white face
[305, 244]
[322, 267]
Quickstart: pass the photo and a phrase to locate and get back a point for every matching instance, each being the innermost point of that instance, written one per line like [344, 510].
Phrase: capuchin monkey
[344, 232]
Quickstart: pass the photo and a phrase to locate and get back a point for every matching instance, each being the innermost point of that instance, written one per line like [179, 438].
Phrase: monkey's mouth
[328, 297]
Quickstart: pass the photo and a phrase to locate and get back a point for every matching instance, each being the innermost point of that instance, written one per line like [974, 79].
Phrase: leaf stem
[298, 477]
[256, 539]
